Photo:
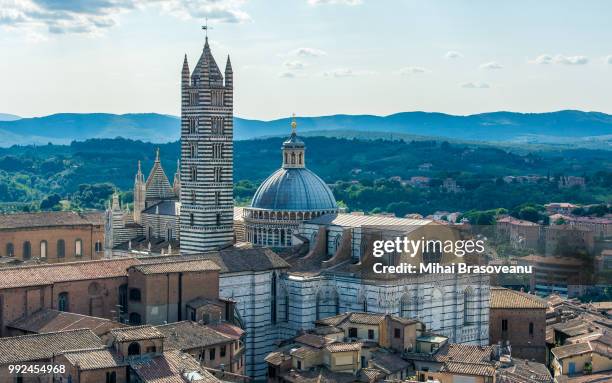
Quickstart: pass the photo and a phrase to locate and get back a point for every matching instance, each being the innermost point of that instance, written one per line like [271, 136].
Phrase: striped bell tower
[206, 174]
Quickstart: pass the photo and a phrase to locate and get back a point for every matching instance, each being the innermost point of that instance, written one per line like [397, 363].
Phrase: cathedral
[317, 261]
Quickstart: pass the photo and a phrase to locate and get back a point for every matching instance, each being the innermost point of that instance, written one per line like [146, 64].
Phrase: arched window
[43, 249]
[432, 254]
[193, 196]
[192, 150]
[293, 158]
[191, 219]
[218, 219]
[10, 250]
[62, 302]
[406, 306]
[111, 377]
[27, 250]
[468, 306]
[134, 321]
[98, 246]
[78, 248]
[135, 295]
[286, 158]
[61, 248]
[134, 347]
[300, 158]
[194, 173]
[123, 298]
[273, 295]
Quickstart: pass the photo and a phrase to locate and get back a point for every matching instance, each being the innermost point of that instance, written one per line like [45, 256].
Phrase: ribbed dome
[294, 189]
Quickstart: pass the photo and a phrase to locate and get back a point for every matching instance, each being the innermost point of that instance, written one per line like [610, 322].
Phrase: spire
[185, 72]
[139, 175]
[293, 125]
[229, 73]
[157, 154]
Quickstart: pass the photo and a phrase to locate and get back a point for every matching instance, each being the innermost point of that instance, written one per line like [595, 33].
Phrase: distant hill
[8, 117]
[562, 127]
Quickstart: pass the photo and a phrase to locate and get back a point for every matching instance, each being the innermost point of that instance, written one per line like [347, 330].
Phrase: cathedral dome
[294, 189]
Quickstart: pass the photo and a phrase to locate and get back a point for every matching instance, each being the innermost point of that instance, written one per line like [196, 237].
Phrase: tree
[51, 202]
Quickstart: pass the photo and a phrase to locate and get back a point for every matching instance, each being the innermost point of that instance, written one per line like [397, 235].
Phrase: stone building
[520, 319]
[52, 236]
[206, 216]
[291, 195]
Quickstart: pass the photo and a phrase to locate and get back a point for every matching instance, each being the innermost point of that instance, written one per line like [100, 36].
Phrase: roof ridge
[63, 264]
[100, 348]
[48, 333]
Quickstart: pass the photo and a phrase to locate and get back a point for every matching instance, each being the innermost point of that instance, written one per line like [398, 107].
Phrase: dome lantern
[293, 149]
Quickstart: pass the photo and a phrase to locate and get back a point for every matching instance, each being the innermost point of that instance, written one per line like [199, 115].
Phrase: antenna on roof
[205, 27]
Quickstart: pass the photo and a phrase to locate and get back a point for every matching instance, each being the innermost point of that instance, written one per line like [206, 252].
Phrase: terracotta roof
[277, 358]
[342, 347]
[43, 346]
[372, 374]
[522, 371]
[304, 352]
[177, 266]
[569, 350]
[51, 218]
[133, 333]
[187, 335]
[387, 362]
[227, 329]
[515, 221]
[94, 358]
[22, 276]
[234, 259]
[318, 375]
[502, 298]
[172, 367]
[355, 317]
[478, 369]
[48, 320]
[312, 340]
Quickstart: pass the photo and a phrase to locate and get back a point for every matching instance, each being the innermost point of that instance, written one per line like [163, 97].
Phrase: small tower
[140, 191]
[294, 149]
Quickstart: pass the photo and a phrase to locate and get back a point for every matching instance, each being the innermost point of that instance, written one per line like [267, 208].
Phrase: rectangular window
[504, 324]
[370, 334]
[193, 98]
[222, 351]
[299, 364]
[78, 248]
[397, 333]
[352, 332]
[211, 354]
[531, 328]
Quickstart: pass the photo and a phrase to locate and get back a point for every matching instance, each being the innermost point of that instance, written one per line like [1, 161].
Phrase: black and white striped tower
[207, 201]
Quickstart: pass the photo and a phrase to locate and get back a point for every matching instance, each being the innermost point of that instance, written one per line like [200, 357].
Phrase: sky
[309, 57]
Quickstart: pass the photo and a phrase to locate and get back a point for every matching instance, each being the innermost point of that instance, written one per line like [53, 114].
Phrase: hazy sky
[311, 57]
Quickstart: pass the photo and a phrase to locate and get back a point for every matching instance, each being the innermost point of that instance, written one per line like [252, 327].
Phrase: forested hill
[357, 168]
[588, 129]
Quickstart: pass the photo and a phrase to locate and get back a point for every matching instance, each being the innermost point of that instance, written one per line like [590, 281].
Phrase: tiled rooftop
[177, 266]
[48, 320]
[187, 335]
[94, 358]
[502, 298]
[38, 275]
[43, 346]
[342, 347]
[48, 219]
[133, 333]
[172, 367]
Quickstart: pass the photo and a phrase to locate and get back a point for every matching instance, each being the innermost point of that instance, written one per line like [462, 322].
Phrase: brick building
[520, 319]
[60, 236]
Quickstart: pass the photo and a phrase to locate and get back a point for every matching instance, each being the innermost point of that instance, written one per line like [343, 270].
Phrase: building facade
[206, 216]
[52, 236]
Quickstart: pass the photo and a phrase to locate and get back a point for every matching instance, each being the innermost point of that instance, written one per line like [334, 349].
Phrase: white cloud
[347, 72]
[287, 74]
[307, 52]
[560, 59]
[571, 60]
[491, 65]
[451, 55]
[475, 85]
[295, 65]
[94, 16]
[412, 70]
[345, 2]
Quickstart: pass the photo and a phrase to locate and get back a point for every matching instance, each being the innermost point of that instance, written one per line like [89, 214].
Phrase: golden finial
[293, 124]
